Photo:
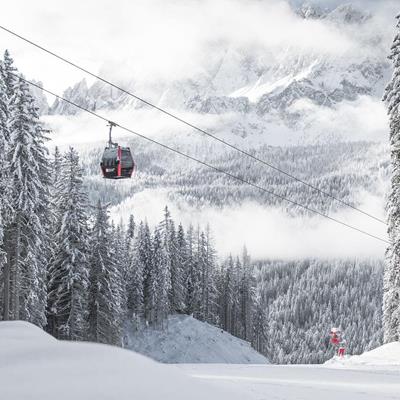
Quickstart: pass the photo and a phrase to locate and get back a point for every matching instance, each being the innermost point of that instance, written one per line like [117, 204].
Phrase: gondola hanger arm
[111, 124]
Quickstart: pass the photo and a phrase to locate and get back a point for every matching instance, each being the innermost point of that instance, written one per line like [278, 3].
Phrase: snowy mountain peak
[78, 94]
[348, 14]
[310, 11]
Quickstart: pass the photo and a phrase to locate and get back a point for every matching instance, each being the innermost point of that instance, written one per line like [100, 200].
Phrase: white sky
[151, 39]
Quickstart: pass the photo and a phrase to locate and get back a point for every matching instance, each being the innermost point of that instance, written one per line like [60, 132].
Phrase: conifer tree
[391, 302]
[4, 118]
[104, 297]
[173, 267]
[246, 296]
[227, 294]
[28, 194]
[4, 274]
[207, 268]
[193, 278]
[131, 230]
[160, 282]
[5, 267]
[144, 254]
[7, 74]
[120, 257]
[258, 323]
[69, 270]
[138, 265]
[180, 287]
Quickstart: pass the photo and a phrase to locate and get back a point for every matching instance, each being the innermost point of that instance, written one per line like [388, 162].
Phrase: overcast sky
[156, 38]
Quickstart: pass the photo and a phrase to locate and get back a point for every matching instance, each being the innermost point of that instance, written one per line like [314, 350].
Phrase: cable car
[117, 161]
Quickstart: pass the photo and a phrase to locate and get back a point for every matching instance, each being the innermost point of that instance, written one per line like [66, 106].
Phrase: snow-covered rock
[349, 14]
[310, 11]
[40, 98]
[188, 340]
[35, 366]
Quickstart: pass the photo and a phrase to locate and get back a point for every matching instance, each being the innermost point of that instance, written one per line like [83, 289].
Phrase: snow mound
[35, 366]
[387, 355]
[187, 340]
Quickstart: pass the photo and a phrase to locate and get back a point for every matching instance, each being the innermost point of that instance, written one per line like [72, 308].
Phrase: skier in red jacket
[342, 348]
[338, 342]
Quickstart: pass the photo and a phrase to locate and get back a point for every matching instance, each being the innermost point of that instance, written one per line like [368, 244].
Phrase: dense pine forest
[299, 300]
[66, 267]
[341, 169]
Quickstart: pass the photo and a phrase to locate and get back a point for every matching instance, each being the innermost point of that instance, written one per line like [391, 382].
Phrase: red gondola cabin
[117, 162]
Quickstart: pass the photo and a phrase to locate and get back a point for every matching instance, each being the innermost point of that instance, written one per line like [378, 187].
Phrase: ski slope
[34, 366]
[188, 340]
[300, 382]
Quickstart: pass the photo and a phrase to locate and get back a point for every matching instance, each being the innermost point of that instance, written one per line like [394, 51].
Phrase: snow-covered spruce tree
[53, 226]
[182, 263]
[193, 278]
[6, 90]
[120, 256]
[104, 296]
[4, 275]
[7, 74]
[245, 300]
[207, 267]
[69, 270]
[173, 267]
[144, 257]
[55, 177]
[28, 195]
[391, 296]
[131, 230]
[160, 282]
[235, 287]
[226, 294]
[4, 117]
[139, 262]
[258, 322]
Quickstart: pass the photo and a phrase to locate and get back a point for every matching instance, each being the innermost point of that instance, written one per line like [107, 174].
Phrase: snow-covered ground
[34, 366]
[386, 356]
[300, 382]
[187, 340]
[372, 375]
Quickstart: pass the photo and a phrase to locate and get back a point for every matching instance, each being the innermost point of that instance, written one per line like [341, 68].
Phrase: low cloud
[363, 119]
[269, 232]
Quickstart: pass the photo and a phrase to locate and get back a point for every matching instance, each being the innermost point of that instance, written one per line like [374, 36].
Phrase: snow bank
[34, 366]
[188, 340]
[387, 355]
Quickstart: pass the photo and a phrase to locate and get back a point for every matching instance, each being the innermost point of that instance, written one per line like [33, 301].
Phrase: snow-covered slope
[387, 356]
[34, 366]
[299, 382]
[188, 340]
